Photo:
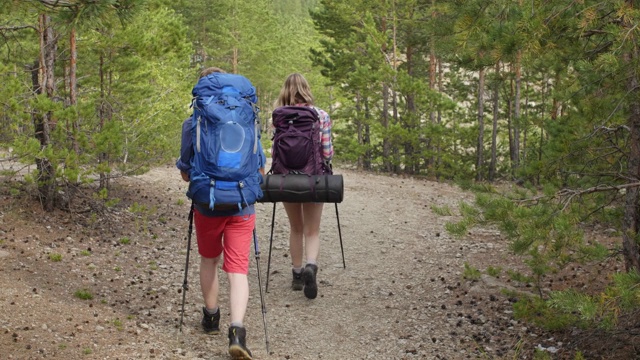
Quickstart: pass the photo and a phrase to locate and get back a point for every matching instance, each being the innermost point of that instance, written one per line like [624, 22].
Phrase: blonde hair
[210, 70]
[295, 90]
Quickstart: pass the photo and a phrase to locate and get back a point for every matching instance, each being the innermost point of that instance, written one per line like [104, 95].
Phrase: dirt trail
[401, 295]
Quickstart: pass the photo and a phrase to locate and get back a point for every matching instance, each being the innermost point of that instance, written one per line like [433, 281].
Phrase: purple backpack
[297, 146]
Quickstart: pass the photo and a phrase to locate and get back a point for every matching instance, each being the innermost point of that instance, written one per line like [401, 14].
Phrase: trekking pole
[344, 264]
[185, 285]
[273, 218]
[264, 308]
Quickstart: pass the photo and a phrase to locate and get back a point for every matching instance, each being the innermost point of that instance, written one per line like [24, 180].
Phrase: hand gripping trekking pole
[264, 308]
[185, 285]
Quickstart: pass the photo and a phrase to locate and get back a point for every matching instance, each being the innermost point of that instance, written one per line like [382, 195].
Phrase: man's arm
[186, 150]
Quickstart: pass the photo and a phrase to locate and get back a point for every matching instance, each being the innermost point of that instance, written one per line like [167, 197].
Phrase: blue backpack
[225, 129]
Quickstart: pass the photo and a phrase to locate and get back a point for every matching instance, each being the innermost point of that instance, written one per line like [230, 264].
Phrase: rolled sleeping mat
[301, 188]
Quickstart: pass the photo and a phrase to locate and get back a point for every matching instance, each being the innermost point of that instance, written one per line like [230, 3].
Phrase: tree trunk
[524, 128]
[545, 91]
[480, 144]
[368, 158]
[433, 68]
[510, 125]
[73, 88]
[515, 155]
[494, 131]
[631, 219]
[412, 161]
[102, 157]
[386, 144]
[235, 60]
[438, 163]
[42, 75]
[359, 129]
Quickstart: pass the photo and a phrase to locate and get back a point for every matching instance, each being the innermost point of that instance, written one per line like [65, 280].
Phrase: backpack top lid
[283, 115]
[216, 84]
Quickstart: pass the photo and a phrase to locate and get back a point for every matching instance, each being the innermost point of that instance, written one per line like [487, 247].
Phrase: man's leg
[209, 281]
[238, 296]
[238, 234]
[209, 236]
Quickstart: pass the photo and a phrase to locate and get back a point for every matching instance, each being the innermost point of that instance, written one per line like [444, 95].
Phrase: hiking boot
[211, 322]
[237, 343]
[297, 283]
[309, 278]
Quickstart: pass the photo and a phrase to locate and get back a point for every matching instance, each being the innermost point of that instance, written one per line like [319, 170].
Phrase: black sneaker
[309, 277]
[237, 343]
[211, 322]
[297, 283]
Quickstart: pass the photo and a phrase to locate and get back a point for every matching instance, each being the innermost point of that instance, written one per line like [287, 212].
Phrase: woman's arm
[327, 145]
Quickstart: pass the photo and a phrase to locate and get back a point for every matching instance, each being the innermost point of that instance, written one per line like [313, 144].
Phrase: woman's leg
[296, 232]
[312, 214]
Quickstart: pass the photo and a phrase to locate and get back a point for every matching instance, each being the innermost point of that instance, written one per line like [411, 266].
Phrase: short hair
[211, 70]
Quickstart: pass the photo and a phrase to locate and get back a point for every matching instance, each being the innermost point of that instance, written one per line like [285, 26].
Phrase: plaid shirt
[327, 145]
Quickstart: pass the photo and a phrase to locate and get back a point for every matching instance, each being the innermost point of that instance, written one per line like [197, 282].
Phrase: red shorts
[229, 234]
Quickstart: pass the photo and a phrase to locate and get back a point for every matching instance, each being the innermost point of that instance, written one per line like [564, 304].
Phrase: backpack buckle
[241, 184]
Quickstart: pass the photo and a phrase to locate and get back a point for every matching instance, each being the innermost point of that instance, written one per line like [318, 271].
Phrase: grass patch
[538, 312]
[518, 276]
[55, 257]
[494, 271]
[83, 294]
[441, 210]
[471, 273]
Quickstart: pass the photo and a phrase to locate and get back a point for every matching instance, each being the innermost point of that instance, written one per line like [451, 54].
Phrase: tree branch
[16, 28]
[58, 3]
[569, 194]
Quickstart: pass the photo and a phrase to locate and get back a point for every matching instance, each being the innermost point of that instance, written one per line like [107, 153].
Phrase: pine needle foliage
[548, 234]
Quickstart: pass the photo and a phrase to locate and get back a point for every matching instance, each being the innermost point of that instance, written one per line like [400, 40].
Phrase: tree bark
[42, 75]
[494, 130]
[631, 219]
[515, 155]
[73, 87]
[412, 162]
[366, 139]
[480, 144]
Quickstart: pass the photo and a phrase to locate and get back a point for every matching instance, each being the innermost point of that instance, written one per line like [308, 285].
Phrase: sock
[311, 262]
[212, 311]
[236, 324]
[297, 270]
